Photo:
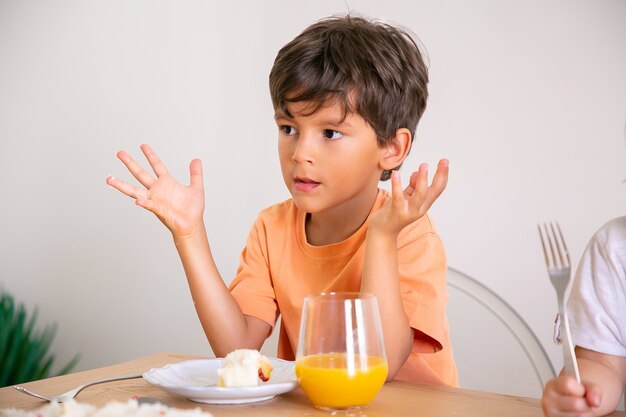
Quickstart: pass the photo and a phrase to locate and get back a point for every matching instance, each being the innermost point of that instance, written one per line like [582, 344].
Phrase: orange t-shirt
[278, 268]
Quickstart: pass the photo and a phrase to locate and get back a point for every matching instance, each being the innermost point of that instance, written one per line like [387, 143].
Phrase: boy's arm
[181, 208]
[603, 380]
[607, 372]
[380, 269]
[224, 324]
[380, 277]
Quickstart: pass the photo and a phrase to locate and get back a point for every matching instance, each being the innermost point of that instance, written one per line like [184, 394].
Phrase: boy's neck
[339, 223]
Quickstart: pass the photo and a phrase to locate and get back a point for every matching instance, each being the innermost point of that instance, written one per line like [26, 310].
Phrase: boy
[596, 306]
[347, 94]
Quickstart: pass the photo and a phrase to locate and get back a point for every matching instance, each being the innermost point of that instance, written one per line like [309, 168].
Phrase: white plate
[196, 380]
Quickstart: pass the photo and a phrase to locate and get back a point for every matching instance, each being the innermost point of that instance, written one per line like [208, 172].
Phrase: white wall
[527, 100]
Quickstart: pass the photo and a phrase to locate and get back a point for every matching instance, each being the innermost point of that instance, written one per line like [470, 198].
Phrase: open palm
[179, 207]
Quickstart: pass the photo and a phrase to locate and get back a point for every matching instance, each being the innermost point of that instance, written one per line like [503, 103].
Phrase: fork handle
[32, 394]
[570, 364]
[78, 389]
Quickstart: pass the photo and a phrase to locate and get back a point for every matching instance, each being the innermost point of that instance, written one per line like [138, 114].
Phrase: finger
[408, 191]
[157, 165]
[195, 174]
[593, 394]
[574, 406]
[146, 203]
[396, 188]
[420, 180]
[134, 168]
[567, 385]
[125, 188]
[439, 183]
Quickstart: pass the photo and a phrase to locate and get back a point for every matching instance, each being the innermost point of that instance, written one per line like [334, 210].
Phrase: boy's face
[329, 165]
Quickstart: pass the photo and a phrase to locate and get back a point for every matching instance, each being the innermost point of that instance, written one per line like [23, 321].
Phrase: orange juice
[329, 382]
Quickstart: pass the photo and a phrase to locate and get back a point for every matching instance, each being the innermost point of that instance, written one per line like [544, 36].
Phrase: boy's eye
[332, 134]
[288, 130]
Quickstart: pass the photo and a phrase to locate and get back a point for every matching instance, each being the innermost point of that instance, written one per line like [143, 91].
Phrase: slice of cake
[244, 368]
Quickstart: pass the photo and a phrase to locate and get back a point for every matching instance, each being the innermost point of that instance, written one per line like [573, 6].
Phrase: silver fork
[73, 393]
[558, 263]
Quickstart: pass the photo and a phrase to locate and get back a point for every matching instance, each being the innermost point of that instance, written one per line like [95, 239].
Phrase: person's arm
[180, 208]
[224, 324]
[380, 269]
[603, 378]
[608, 372]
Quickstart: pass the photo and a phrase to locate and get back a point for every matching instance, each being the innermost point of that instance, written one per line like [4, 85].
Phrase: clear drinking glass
[341, 362]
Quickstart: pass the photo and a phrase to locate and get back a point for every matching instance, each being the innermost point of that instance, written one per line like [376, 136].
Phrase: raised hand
[406, 206]
[179, 207]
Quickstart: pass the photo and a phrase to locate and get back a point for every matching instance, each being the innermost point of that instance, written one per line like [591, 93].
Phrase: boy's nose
[304, 150]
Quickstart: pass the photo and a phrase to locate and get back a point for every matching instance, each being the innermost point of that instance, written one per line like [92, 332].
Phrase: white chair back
[494, 348]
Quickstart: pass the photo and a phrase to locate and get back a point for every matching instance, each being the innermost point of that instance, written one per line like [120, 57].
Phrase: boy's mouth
[304, 184]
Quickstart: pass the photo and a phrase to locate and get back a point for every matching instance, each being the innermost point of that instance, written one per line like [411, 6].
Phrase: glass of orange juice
[341, 362]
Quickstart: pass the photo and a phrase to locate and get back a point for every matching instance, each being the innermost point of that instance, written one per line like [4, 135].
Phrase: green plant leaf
[15, 339]
[42, 347]
[25, 352]
[45, 367]
[7, 308]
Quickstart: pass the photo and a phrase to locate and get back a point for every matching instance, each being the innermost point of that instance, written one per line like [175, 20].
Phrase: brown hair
[375, 70]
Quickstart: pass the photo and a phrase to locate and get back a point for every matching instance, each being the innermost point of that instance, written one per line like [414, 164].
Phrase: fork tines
[555, 257]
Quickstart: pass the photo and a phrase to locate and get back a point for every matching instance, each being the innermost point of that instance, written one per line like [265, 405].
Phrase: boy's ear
[396, 149]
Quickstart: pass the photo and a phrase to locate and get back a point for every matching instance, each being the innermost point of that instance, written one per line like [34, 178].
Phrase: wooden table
[395, 399]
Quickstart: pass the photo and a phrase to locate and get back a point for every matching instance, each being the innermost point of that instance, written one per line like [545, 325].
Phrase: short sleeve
[252, 286]
[422, 266]
[596, 307]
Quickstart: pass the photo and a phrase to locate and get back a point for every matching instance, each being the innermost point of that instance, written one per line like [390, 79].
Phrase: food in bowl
[244, 368]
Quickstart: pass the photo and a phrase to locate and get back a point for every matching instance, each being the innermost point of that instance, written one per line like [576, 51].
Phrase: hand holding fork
[558, 263]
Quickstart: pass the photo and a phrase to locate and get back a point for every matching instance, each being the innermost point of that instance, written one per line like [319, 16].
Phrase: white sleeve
[597, 303]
